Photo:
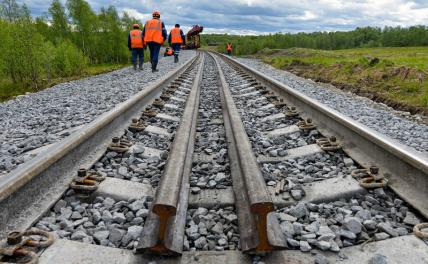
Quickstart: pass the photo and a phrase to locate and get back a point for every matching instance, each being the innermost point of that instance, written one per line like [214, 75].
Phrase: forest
[62, 43]
[367, 37]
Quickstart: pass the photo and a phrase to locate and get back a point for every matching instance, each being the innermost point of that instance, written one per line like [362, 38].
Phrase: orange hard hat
[156, 13]
[135, 26]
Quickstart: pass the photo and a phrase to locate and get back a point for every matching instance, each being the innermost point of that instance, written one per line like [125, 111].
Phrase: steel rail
[165, 226]
[405, 168]
[259, 228]
[31, 189]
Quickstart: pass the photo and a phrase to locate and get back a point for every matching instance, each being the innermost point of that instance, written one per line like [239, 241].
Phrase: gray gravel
[375, 216]
[211, 229]
[35, 120]
[135, 165]
[103, 221]
[375, 115]
[211, 169]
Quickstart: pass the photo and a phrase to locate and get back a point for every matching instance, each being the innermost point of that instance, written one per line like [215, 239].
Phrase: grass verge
[394, 76]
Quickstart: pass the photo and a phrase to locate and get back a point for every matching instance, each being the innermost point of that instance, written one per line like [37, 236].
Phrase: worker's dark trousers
[154, 53]
[137, 53]
[176, 47]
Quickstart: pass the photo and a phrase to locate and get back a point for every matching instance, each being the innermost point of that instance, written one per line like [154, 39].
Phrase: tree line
[366, 37]
[61, 43]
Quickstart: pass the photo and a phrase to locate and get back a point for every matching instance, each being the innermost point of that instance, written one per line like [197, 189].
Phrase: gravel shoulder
[32, 121]
[385, 120]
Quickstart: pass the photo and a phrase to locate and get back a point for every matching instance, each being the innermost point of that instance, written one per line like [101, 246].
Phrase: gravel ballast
[103, 221]
[39, 119]
[374, 115]
[211, 169]
[375, 216]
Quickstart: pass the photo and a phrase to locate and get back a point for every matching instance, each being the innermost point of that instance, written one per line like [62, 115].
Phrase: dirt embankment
[377, 84]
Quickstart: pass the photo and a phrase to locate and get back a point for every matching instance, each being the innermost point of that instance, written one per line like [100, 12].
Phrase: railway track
[214, 163]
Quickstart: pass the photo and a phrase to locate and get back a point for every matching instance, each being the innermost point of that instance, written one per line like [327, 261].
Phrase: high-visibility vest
[136, 39]
[176, 36]
[153, 31]
[229, 47]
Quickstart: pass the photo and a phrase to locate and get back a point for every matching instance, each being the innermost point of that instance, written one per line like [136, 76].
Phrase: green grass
[399, 77]
[9, 90]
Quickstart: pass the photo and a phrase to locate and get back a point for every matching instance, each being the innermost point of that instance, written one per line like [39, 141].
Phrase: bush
[68, 60]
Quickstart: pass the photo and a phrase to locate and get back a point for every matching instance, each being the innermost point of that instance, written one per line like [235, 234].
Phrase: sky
[253, 17]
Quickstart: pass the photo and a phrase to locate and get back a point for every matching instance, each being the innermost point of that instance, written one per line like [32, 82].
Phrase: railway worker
[175, 39]
[154, 34]
[137, 46]
[229, 48]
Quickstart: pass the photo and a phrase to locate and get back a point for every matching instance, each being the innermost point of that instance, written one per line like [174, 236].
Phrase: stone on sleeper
[348, 162]
[297, 194]
[195, 190]
[378, 259]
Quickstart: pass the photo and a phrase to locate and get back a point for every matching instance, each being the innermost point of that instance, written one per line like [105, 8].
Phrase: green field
[395, 76]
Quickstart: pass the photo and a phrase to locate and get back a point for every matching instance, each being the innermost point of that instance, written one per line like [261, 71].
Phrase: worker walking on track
[154, 35]
[229, 48]
[136, 45]
[176, 39]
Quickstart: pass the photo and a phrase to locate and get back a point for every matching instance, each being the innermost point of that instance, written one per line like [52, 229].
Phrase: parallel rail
[406, 169]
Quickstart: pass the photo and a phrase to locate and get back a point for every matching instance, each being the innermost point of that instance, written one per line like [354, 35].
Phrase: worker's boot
[135, 66]
[154, 65]
[175, 59]
[140, 66]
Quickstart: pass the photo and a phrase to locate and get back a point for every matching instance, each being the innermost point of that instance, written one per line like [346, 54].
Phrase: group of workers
[153, 36]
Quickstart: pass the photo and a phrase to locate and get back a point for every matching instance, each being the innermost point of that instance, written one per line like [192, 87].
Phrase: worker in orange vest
[136, 45]
[175, 39]
[154, 35]
[229, 48]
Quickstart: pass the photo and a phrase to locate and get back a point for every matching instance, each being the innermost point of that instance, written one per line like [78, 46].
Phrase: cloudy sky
[269, 16]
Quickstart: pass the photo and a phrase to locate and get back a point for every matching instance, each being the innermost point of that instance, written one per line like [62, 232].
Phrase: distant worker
[168, 52]
[154, 35]
[136, 45]
[229, 48]
[175, 39]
